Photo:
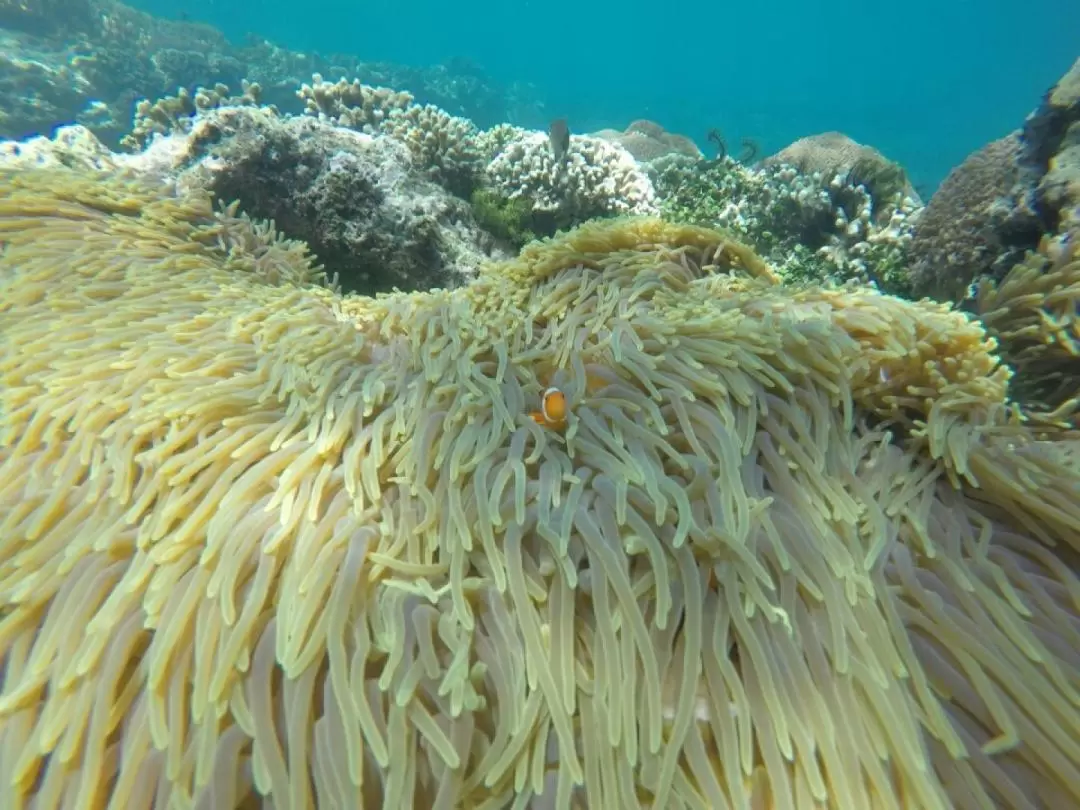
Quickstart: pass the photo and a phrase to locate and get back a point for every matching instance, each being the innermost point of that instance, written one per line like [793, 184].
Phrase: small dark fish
[559, 135]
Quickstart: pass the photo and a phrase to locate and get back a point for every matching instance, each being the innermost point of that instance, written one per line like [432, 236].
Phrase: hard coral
[263, 544]
[647, 141]
[814, 227]
[595, 179]
[1003, 199]
[1058, 122]
[970, 227]
[176, 114]
[39, 86]
[374, 221]
[834, 153]
[442, 145]
[351, 104]
[72, 146]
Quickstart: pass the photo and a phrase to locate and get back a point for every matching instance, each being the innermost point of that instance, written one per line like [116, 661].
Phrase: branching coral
[261, 539]
[595, 179]
[351, 104]
[177, 113]
[442, 145]
[815, 227]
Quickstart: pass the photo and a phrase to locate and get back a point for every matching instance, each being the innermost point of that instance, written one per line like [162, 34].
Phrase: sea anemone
[263, 541]
[1034, 314]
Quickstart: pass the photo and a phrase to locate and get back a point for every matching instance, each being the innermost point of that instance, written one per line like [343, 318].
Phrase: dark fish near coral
[559, 135]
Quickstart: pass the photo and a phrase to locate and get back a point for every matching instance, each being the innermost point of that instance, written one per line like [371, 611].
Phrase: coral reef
[351, 104]
[262, 543]
[507, 165]
[511, 172]
[1001, 201]
[971, 226]
[40, 85]
[813, 227]
[89, 62]
[372, 220]
[509, 221]
[46, 17]
[443, 145]
[72, 146]
[1054, 132]
[173, 114]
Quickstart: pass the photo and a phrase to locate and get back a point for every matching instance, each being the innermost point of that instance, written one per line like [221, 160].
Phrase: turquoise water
[924, 81]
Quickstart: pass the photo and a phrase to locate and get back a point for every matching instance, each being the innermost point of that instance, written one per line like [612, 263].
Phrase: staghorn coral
[260, 538]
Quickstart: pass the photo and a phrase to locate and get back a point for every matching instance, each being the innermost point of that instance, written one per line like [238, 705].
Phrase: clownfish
[552, 411]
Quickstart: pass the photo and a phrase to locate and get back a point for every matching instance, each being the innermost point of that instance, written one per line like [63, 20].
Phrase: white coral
[594, 178]
[441, 144]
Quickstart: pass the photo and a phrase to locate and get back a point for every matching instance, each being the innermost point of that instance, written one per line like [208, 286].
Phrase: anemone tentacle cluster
[266, 544]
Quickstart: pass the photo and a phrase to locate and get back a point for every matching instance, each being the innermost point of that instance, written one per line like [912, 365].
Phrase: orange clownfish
[552, 411]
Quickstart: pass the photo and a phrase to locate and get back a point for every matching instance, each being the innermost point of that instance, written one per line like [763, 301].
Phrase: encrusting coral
[792, 549]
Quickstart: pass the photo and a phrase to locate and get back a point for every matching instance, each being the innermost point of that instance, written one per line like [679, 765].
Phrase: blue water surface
[925, 81]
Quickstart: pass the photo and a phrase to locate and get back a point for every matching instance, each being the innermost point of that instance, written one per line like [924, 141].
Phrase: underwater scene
[501, 406]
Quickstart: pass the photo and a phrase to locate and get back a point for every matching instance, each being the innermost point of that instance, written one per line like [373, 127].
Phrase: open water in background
[924, 81]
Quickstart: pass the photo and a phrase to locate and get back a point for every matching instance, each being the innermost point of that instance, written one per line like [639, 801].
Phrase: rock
[74, 146]
[364, 209]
